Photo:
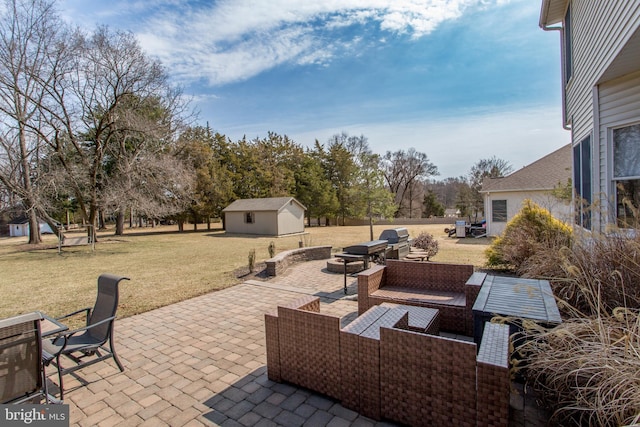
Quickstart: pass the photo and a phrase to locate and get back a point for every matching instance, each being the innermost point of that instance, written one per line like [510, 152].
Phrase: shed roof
[543, 174]
[22, 219]
[259, 205]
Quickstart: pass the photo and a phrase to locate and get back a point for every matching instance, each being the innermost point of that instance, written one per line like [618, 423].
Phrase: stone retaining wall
[279, 263]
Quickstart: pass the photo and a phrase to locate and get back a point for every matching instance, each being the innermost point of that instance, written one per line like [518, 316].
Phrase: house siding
[271, 216]
[291, 219]
[18, 230]
[557, 208]
[619, 105]
[234, 222]
[599, 31]
[603, 91]
[265, 223]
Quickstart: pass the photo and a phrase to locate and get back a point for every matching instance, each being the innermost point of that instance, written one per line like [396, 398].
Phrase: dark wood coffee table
[514, 297]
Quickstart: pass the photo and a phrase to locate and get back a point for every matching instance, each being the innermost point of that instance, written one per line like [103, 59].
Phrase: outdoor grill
[397, 242]
[362, 252]
[374, 247]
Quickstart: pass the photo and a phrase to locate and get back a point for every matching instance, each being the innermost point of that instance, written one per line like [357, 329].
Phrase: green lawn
[166, 266]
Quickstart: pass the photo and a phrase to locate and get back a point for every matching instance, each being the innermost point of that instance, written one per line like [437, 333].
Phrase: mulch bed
[259, 272]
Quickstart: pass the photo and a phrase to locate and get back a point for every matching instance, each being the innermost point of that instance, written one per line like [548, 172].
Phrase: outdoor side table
[421, 319]
[50, 326]
[513, 296]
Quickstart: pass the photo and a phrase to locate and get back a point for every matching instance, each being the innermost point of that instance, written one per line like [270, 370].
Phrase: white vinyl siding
[264, 223]
[598, 32]
[514, 201]
[604, 89]
[619, 105]
[247, 217]
[291, 219]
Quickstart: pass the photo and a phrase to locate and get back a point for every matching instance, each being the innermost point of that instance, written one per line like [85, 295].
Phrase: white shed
[275, 216]
[503, 197]
[20, 227]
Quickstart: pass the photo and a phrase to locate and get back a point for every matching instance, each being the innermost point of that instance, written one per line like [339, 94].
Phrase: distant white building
[274, 216]
[451, 213]
[20, 227]
[503, 197]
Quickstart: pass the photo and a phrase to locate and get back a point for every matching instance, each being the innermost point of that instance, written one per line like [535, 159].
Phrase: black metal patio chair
[88, 345]
[22, 376]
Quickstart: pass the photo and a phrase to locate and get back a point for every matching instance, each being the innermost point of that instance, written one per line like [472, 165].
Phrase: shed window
[626, 175]
[249, 218]
[499, 210]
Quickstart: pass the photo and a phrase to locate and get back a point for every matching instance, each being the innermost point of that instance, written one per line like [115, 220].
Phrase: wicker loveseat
[450, 288]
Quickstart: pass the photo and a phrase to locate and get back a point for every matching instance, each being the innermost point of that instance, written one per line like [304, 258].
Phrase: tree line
[91, 125]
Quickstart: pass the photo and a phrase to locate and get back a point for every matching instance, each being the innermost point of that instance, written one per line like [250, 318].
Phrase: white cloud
[233, 40]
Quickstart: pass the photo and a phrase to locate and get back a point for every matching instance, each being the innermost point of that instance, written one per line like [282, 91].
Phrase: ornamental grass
[588, 368]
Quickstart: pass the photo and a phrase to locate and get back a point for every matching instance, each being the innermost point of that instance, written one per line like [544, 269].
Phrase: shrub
[252, 260]
[427, 243]
[529, 232]
[272, 250]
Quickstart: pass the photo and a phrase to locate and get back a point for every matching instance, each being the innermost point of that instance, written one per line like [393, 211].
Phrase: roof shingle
[257, 205]
[543, 174]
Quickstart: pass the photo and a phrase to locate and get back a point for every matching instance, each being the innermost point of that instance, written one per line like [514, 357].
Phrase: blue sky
[459, 80]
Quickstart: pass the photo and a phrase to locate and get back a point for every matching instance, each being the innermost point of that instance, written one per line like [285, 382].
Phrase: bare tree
[484, 168]
[141, 171]
[488, 168]
[402, 170]
[82, 116]
[447, 190]
[155, 186]
[29, 35]
[114, 108]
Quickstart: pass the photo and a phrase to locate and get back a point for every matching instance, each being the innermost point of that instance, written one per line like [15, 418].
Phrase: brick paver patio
[202, 362]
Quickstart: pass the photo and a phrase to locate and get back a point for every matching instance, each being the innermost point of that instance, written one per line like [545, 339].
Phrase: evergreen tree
[431, 206]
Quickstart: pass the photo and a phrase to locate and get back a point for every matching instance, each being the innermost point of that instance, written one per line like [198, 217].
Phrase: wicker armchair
[303, 346]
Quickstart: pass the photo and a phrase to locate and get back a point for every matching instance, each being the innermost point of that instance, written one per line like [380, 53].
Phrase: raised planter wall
[279, 263]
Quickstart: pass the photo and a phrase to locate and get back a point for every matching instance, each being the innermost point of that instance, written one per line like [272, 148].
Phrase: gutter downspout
[545, 10]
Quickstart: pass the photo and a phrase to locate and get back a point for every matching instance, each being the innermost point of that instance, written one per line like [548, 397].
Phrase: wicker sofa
[381, 367]
[450, 288]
